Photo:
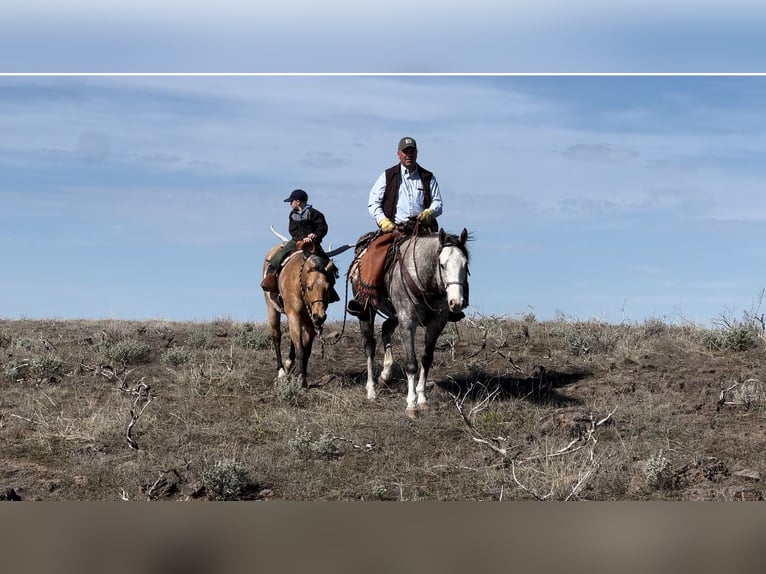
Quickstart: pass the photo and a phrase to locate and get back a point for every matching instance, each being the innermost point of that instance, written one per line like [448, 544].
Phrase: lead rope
[413, 291]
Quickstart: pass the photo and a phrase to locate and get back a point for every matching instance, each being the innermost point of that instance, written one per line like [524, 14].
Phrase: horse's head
[317, 285]
[453, 268]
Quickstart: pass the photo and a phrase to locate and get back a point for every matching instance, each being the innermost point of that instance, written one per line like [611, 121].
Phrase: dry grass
[520, 409]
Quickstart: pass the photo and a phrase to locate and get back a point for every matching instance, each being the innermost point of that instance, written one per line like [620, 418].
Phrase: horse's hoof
[412, 413]
[423, 406]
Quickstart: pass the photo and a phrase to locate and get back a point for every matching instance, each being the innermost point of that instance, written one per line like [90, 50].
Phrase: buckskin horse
[305, 280]
[426, 280]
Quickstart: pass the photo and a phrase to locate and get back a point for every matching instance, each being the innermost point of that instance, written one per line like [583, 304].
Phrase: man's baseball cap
[407, 142]
[298, 194]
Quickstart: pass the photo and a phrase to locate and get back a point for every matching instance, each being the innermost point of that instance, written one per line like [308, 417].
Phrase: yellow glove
[386, 225]
[426, 216]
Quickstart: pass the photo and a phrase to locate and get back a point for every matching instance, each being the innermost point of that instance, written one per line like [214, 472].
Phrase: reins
[413, 290]
[308, 304]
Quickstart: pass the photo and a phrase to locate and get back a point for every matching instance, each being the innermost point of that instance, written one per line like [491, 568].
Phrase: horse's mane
[452, 240]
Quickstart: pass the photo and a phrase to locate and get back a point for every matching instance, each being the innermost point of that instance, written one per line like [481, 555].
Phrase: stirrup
[355, 308]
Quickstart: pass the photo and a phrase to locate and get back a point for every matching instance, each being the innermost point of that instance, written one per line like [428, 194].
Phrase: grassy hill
[520, 409]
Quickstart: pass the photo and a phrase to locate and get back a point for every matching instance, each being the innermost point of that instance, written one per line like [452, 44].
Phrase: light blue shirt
[410, 202]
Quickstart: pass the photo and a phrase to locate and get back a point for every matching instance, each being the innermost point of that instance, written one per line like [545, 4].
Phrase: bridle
[309, 304]
[414, 291]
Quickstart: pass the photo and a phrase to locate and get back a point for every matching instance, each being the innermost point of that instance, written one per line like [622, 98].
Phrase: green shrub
[654, 328]
[253, 339]
[737, 338]
[306, 445]
[128, 351]
[46, 366]
[5, 341]
[37, 368]
[288, 388]
[658, 472]
[15, 369]
[177, 356]
[200, 340]
[379, 492]
[226, 480]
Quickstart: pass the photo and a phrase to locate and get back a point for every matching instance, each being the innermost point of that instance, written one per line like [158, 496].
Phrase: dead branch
[527, 489]
[142, 392]
[162, 484]
[25, 419]
[483, 345]
[230, 364]
[475, 435]
[498, 445]
[108, 372]
[749, 397]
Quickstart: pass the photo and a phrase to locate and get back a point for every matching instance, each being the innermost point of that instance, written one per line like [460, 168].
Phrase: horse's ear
[464, 236]
[442, 235]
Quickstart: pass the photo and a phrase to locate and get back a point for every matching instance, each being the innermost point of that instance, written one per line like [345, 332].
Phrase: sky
[143, 161]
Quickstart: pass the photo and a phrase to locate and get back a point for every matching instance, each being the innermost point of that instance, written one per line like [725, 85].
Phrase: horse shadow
[541, 386]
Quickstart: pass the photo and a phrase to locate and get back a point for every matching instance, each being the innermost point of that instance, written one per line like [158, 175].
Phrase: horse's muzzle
[317, 319]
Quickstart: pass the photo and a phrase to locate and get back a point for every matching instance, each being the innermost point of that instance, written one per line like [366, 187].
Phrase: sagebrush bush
[128, 351]
[15, 369]
[658, 472]
[288, 388]
[177, 356]
[200, 340]
[254, 339]
[226, 480]
[37, 368]
[306, 445]
[737, 338]
[5, 341]
[654, 328]
[47, 366]
[379, 491]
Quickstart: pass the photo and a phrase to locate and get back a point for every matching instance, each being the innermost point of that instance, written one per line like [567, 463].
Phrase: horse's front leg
[386, 332]
[367, 328]
[276, 338]
[307, 341]
[407, 335]
[297, 349]
[433, 330]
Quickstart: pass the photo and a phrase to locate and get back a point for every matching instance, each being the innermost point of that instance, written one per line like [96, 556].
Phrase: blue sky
[395, 36]
[608, 196]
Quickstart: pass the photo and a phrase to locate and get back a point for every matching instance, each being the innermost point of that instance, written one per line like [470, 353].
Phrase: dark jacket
[391, 195]
[309, 220]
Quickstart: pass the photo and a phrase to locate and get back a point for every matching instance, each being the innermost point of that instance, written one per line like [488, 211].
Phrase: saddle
[373, 256]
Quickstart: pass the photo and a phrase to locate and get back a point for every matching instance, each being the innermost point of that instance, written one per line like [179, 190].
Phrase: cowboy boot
[269, 283]
[355, 308]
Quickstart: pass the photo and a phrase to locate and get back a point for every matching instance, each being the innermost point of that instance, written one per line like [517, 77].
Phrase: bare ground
[519, 409]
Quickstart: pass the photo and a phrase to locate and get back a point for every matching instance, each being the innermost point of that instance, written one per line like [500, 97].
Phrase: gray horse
[426, 281]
